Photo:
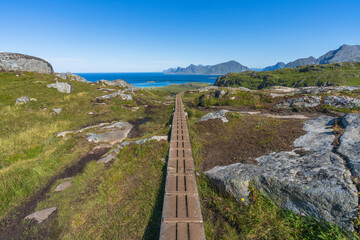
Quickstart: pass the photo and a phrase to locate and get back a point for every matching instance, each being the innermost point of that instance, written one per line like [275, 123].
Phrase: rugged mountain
[346, 53]
[26, 63]
[279, 65]
[218, 69]
[301, 62]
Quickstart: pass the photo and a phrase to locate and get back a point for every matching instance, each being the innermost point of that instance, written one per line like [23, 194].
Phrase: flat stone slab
[220, 114]
[63, 186]
[42, 215]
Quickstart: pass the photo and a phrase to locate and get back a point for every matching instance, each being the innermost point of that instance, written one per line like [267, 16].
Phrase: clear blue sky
[149, 35]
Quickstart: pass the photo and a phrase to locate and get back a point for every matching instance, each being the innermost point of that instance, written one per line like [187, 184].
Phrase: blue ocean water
[150, 79]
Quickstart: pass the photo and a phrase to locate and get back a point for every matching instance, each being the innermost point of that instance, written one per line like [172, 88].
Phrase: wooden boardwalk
[181, 216]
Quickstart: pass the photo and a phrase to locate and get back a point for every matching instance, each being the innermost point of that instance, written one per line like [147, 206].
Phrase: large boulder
[310, 180]
[342, 101]
[61, 87]
[302, 102]
[220, 114]
[118, 82]
[26, 63]
[350, 142]
[116, 94]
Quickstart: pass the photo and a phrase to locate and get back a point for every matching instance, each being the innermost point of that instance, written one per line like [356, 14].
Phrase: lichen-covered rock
[61, 87]
[116, 94]
[24, 100]
[220, 114]
[219, 93]
[319, 135]
[118, 82]
[302, 102]
[341, 101]
[26, 63]
[310, 180]
[118, 132]
[73, 77]
[350, 142]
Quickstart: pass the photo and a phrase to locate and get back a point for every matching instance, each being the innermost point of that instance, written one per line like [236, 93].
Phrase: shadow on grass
[153, 228]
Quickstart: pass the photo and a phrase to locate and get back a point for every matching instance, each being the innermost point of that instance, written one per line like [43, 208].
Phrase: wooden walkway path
[181, 216]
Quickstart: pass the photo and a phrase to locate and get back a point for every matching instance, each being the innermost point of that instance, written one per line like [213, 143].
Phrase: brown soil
[13, 226]
[241, 141]
[135, 132]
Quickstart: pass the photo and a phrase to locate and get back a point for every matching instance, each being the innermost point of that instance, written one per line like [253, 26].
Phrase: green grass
[121, 201]
[314, 75]
[226, 218]
[30, 154]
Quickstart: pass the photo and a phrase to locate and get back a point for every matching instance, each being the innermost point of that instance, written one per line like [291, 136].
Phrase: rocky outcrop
[26, 63]
[116, 94]
[118, 82]
[220, 114]
[350, 143]
[118, 132]
[307, 101]
[61, 87]
[341, 102]
[311, 180]
[71, 77]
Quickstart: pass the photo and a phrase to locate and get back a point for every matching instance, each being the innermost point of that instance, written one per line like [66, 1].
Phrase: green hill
[338, 74]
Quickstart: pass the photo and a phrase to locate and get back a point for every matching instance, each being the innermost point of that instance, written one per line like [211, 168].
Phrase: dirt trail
[12, 227]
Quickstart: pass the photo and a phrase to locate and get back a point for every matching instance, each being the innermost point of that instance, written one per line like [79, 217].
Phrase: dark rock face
[316, 183]
[346, 53]
[219, 69]
[301, 62]
[26, 63]
[279, 65]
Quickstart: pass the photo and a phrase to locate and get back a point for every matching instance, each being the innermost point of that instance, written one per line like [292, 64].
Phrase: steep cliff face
[26, 63]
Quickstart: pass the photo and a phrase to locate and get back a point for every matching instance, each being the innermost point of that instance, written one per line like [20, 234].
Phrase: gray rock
[42, 215]
[63, 186]
[125, 144]
[307, 101]
[158, 138]
[219, 93]
[117, 94]
[141, 141]
[61, 87]
[21, 62]
[350, 142]
[118, 82]
[314, 183]
[57, 110]
[342, 101]
[119, 132]
[61, 75]
[220, 114]
[319, 135]
[73, 77]
[24, 100]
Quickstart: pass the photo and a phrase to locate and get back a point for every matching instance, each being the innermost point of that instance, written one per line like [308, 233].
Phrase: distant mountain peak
[218, 69]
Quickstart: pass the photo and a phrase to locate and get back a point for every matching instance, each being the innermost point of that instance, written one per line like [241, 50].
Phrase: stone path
[181, 216]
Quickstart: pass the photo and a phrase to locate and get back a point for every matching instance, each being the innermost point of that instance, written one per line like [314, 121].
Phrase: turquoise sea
[150, 79]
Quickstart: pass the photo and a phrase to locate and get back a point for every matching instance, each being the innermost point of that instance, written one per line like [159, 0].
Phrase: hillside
[347, 74]
[218, 69]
